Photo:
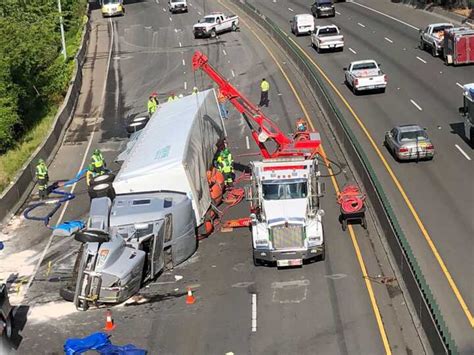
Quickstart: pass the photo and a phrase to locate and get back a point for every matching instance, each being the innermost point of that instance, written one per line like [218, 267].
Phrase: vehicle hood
[280, 211]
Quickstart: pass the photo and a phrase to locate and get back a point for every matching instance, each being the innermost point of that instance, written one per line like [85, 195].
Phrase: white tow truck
[432, 37]
[327, 37]
[364, 75]
[286, 222]
[215, 23]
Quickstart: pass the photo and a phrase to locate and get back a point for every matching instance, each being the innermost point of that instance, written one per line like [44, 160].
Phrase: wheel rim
[100, 187]
[139, 119]
[101, 178]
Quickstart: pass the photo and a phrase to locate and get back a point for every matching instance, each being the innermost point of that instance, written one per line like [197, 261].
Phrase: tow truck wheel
[102, 179]
[102, 190]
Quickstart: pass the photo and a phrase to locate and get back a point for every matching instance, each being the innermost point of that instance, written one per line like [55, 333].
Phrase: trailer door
[470, 48]
[460, 53]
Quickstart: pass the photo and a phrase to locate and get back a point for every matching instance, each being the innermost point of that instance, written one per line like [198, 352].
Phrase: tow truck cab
[467, 112]
[286, 219]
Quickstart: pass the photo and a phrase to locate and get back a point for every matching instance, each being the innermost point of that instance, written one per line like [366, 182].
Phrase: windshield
[327, 31]
[413, 135]
[284, 191]
[364, 66]
[112, 2]
[441, 28]
[207, 20]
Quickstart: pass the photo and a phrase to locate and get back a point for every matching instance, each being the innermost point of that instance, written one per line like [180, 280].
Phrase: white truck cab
[177, 6]
[213, 24]
[286, 219]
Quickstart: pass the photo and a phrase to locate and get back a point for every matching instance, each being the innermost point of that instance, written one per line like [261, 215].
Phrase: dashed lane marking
[462, 87]
[416, 105]
[388, 39]
[421, 59]
[361, 24]
[353, 51]
[254, 312]
[463, 152]
[384, 14]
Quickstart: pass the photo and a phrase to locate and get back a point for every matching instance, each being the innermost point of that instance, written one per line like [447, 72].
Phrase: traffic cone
[109, 322]
[190, 298]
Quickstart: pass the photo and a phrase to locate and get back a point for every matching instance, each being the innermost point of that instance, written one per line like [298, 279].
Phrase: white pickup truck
[215, 23]
[177, 6]
[365, 75]
[432, 37]
[327, 37]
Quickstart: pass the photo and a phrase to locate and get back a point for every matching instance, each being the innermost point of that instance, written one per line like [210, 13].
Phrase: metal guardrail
[424, 302]
[19, 189]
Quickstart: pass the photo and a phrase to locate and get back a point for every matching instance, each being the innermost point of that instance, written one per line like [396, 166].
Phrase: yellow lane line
[425, 233]
[360, 259]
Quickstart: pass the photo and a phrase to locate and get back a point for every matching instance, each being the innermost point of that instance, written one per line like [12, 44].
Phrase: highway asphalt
[325, 307]
[422, 90]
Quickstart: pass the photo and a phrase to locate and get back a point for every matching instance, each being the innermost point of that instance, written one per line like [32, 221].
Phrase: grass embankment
[14, 159]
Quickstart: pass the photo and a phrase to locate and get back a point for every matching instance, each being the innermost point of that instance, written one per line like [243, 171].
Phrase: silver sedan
[409, 142]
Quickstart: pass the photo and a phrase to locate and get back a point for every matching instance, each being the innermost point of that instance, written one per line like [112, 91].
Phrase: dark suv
[323, 8]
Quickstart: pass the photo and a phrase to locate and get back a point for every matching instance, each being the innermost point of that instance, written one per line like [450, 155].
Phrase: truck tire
[422, 44]
[102, 190]
[257, 262]
[133, 127]
[213, 33]
[67, 292]
[102, 179]
[234, 27]
[434, 52]
[354, 90]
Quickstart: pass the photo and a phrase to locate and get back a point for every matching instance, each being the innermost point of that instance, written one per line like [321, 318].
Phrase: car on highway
[323, 8]
[302, 24]
[432, 37]
[111, 8]
[364, 75]
[215, 23]
[409, 142]
[177, 6]
[327, 37]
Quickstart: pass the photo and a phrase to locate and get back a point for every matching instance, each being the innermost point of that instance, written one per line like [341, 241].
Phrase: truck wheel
[102, 190]
[354, 90]
[102, 179]
[322, 257]
[434, 52]
[257, 262]
[213, 33]
[422, 45]
[135, 127]
[234, 27]
[67, 292]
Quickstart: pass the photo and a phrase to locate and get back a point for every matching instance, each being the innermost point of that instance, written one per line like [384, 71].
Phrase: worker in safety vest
[195, 91]
[301, 125]
[221, 99]
[264, 88]
[97, 165]
[152, 104]
[41, 173]
[226, 164]
[172, 97]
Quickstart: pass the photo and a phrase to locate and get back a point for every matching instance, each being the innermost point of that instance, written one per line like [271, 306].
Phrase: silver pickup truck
[215, 23]
[327, 37]
[432, 37]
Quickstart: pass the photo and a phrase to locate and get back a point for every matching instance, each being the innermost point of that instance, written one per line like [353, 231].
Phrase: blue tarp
[101, 343]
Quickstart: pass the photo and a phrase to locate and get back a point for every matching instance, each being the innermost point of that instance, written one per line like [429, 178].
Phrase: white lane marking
[360, 24]
[337, 12]
[353, 51]
[388, 39]
[388, 16]
[191, 5]
[157, 1]
[199, 13]
[171, 20]
[416, 105]
[462, 87]
[254, 312]
[247, 142]
[164, 10]
[185, 85]
[86, 153]
[463, 152]
[184, 63]
[233, 74]
[223, 51]
[180, 44]
[421, 59]
[290, 9]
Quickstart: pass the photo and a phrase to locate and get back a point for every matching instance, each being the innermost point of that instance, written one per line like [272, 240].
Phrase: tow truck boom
[304, 144]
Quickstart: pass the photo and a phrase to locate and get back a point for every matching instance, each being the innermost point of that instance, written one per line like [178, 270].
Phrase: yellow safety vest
[265, 86]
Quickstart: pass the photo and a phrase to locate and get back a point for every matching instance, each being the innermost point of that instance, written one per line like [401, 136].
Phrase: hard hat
[97, 151]
[40, 161]
[225, 151]
[154, 94]
[181, 95]
[195, 89]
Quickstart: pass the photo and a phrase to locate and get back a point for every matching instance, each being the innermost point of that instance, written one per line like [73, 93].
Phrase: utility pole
[63, 40]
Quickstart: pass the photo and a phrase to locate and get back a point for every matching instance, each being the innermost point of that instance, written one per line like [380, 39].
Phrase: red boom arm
[286, 146]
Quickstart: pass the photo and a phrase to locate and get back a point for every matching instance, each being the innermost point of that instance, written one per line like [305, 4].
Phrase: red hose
[351, 199]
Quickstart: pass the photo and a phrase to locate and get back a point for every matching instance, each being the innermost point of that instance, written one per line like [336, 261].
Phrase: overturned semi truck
[147, 218]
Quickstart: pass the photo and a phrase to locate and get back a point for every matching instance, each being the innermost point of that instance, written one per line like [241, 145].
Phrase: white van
[302, 24]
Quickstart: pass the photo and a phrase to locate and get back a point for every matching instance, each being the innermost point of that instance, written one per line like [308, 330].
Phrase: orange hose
[351, 199]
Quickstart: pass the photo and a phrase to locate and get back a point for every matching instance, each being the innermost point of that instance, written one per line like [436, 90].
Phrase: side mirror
[380, 65]
[462, 110]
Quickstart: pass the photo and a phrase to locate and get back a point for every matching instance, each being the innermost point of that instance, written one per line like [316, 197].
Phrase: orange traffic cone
[109, 322]
[190, 298]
